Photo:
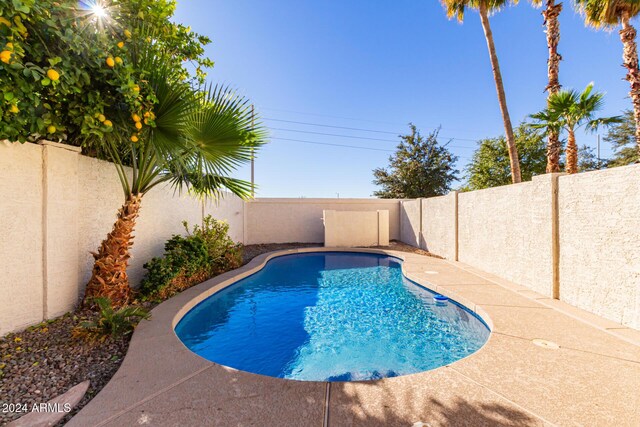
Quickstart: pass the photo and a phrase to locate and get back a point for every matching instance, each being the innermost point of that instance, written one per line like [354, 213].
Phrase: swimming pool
[330, 316]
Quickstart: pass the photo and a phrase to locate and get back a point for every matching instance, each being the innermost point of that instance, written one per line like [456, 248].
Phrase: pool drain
[546, 344]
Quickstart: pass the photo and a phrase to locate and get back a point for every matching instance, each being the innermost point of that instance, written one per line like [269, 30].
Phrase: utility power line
[360, 129]
[353, 118]
[354, 137]
[333, 145]
[331, 126]
[343, 145]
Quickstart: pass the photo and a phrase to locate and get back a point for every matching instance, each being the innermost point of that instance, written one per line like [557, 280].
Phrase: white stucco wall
[439, 225]
[21, 299]
[356, 228]
[56, 206]
[599, 216]
[506, 231]
[61, 189]
[300, 220]
[410, 222]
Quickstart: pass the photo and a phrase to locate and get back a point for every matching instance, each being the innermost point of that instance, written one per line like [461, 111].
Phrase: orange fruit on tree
[135, 117]
[118, 60]
[138, 125]
[53, 74]
[134, 138]
[51, 129]
[14, 109]
[120, 45]
[101, 117]
[110, 62]
[5, 56]
[107, 123]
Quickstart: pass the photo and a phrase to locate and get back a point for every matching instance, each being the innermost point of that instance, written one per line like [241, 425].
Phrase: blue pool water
[332, 316]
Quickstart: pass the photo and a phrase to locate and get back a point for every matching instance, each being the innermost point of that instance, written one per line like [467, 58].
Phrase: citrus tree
[64, 68]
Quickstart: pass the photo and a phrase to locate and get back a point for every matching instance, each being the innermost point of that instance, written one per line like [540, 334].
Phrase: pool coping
[158, 364]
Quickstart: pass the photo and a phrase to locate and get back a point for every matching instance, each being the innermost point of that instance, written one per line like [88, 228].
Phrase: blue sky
[379, 65]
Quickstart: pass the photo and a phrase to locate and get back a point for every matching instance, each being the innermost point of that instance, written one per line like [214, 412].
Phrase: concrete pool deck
[592, 379]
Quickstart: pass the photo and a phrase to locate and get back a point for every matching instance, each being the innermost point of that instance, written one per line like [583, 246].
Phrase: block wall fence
[572, 237]
[57, 205]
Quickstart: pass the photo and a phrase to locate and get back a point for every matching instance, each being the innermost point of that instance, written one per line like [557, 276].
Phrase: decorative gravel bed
[45, 360]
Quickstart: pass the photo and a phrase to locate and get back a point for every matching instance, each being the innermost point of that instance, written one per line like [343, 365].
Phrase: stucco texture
[56, 208]
[300, 220]
[506, 231]
[21, 301]
[439, 225]
[599, 217]
[410, 222]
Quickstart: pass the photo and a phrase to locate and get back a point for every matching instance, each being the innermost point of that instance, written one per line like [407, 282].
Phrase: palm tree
[199, 138]
[552, 24]
[485, 8]
[608, 14]
[570, 110]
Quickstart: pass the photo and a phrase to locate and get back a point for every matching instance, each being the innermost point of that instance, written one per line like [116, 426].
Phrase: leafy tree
[571, 110]
[588, 161]
[66, 73]
[609, 14]
[489, 166]
[622, 137]
[420, 167]
[552, 30]
[485, 8]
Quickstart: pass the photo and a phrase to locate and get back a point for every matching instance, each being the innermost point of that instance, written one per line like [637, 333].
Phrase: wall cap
[61, 146]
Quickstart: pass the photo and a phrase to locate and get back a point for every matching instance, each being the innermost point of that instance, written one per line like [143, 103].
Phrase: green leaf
[8, 96]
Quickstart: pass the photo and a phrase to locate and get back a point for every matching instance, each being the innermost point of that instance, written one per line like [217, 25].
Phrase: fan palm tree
[552, 25]
[608, 14]
[485, 8]
[570, 110]
[199, 138]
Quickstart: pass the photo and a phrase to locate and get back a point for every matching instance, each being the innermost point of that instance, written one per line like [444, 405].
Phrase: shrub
[186, 260]
[223, 252]
[111, 322]
[205, 251]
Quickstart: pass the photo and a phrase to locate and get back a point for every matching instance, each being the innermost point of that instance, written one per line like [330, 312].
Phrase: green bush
[205, 251]
[224, 253]
[111, 322]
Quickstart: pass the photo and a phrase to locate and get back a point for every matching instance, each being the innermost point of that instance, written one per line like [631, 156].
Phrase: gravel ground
[45, 360]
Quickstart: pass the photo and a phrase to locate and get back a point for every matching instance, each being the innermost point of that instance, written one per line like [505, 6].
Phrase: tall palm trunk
[502, 99]
[572, 153]
[630, 60]
[109, 277]
[550, 14]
